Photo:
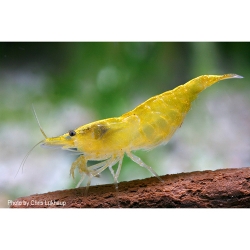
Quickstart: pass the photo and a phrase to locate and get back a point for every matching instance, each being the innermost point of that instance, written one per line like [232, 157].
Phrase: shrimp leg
[89, 173]
[92, 173]
[137, 160]
[116, 175]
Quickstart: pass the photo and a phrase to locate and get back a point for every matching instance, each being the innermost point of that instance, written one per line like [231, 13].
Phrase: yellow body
[148, 125]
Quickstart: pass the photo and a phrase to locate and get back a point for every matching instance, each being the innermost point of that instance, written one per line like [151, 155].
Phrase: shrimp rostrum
[150, 124]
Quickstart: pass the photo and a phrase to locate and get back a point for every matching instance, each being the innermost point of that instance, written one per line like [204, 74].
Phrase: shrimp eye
[72, 132]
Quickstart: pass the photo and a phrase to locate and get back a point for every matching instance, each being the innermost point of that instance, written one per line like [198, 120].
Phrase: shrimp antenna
[25, 158]
[39, 122]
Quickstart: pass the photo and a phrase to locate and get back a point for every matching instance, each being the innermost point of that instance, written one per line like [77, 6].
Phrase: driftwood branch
[226, 188]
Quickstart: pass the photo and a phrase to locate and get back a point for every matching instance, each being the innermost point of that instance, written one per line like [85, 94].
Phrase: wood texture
[224, 188]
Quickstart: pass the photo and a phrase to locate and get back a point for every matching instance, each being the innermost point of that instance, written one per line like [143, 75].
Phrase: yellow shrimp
[150, 124]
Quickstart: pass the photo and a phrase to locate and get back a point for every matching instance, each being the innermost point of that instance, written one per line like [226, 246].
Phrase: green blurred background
[71, 84]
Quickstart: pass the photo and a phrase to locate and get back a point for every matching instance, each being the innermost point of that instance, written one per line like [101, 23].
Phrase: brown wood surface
[228, 188]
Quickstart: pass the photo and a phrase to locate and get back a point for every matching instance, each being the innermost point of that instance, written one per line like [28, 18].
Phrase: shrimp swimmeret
[149, 125]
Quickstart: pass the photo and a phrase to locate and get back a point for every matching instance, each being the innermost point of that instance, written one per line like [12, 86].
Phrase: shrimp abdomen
[161, 115]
